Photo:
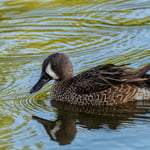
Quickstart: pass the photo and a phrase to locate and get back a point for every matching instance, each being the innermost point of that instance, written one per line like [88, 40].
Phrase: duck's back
[103, 85]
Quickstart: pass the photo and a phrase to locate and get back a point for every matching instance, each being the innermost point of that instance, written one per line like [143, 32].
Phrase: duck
[102, 85]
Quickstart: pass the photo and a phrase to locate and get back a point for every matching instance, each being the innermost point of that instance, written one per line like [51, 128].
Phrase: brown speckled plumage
[102, 85]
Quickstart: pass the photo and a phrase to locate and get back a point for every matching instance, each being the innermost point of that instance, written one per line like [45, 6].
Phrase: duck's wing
[91, 86]
[103, 77]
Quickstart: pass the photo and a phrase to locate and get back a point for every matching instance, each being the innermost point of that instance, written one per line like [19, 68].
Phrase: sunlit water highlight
[91, 33]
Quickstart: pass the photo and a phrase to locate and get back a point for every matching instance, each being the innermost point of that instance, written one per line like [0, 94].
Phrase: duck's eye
[53, 66]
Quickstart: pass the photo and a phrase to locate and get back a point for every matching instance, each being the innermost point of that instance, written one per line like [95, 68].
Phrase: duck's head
[56, 66]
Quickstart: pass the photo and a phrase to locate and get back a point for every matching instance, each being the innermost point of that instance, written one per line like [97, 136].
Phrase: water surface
[91, 33]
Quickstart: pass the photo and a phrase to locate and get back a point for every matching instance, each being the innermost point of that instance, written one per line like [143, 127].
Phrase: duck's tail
[142, 71]
[138, 77]
[148, 80]
[144, 89]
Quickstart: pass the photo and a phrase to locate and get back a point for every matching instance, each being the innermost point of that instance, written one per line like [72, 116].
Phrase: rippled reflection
[64, 128]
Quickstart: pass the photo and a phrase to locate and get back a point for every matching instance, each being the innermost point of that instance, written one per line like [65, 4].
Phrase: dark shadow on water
[63, 129]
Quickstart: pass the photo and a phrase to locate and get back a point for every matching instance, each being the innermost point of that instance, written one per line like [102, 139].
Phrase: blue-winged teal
[101, 85]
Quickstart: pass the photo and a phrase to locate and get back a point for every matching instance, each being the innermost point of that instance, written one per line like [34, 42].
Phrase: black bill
[43, 79]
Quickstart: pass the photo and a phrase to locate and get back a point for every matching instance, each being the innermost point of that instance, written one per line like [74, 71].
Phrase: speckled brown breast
[115, 95]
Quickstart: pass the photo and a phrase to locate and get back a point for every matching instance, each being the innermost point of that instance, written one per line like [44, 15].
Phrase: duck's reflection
[63, 129]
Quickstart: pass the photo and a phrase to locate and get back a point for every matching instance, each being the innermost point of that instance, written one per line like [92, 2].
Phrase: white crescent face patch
[50, 72]
[55, 129]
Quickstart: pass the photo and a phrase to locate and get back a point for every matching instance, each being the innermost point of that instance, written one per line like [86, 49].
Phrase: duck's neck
[67, 75]
[64, 81]
[60, 87]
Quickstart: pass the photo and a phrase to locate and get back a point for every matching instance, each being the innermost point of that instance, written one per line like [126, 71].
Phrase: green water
[91, 32]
